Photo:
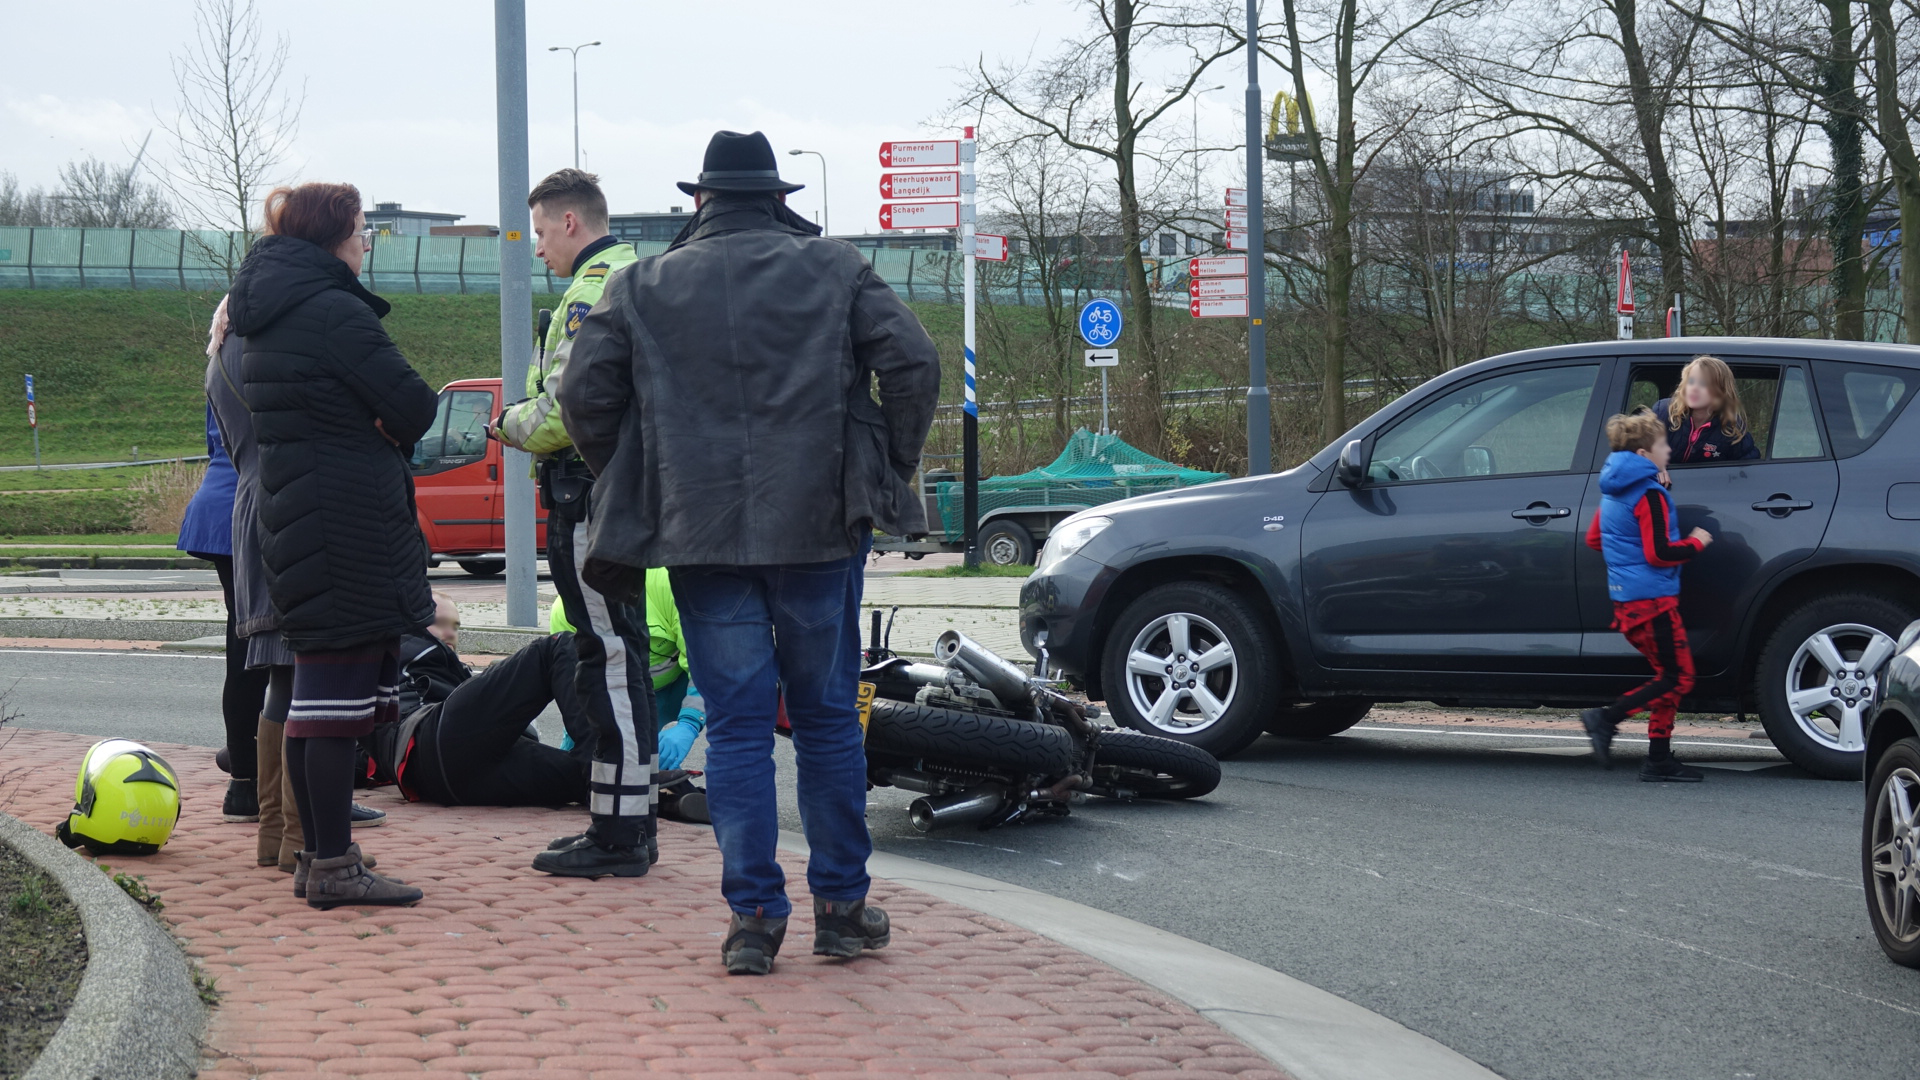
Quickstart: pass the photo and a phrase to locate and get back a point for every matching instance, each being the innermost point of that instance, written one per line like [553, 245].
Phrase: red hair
[320, 214]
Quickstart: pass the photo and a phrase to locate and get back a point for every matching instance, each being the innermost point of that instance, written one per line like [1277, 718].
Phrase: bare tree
[1601, 82]
[1041, 193]
[1817, 52]
[1091, 97]
[28, 206]
[1352, 44]
[93, 194]
[1891, 108]
[235, 124]
[97, 195]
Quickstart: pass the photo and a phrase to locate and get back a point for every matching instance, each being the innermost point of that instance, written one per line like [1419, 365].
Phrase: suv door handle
[493, 472]
[1540, 513]
[1780, 504]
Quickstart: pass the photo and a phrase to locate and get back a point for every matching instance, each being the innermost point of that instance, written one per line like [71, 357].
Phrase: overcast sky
[399, 96]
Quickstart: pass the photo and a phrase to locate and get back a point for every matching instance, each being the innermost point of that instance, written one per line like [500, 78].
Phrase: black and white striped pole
[970, 501]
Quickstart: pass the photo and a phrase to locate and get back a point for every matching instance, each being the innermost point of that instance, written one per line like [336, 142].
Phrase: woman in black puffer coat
[336, 410]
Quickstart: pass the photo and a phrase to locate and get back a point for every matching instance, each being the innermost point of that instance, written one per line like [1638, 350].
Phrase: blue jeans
[754, 633]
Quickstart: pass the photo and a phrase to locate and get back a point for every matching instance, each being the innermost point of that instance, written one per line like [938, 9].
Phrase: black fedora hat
[737, 162]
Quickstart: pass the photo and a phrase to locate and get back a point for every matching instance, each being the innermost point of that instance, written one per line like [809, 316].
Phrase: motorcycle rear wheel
[960, 738]
[1152, 767]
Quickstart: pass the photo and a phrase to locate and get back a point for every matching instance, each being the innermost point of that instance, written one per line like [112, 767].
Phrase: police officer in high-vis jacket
[570, 224]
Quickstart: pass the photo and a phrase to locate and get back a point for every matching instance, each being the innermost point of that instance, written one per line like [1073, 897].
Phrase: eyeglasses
[366, 238]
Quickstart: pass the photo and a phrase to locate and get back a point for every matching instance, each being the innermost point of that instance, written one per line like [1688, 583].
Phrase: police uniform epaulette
[596, 270]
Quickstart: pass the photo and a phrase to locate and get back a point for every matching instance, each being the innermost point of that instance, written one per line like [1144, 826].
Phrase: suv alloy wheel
[1193, 662]
[1816, 679]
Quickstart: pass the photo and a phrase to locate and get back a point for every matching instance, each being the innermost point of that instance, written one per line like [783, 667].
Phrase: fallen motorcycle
[985, 743]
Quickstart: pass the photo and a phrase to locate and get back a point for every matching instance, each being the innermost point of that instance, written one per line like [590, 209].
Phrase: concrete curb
[492, 640]
[136, 1014]
[109, 629]
[1309, 1033]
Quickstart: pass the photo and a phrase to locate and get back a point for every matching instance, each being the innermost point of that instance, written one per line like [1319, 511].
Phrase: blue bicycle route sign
[1100, 323]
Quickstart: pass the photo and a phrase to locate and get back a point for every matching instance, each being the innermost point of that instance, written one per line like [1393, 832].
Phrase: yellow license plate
[866, 705]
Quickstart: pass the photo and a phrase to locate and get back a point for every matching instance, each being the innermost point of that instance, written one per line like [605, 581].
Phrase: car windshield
[1523, 422]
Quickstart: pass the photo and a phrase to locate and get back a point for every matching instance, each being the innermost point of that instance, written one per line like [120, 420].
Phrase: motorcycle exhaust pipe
[960, 808]
[911, 781]
[1007, 682]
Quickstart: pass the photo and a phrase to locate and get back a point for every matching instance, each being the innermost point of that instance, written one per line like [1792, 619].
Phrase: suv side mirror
[1351, 469]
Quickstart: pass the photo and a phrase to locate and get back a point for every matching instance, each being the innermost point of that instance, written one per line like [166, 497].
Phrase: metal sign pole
[1259, 403]
[970, 503]
[516, 294]
[1106, 428]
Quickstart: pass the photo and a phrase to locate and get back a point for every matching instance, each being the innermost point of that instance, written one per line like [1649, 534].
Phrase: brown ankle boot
[346, 880]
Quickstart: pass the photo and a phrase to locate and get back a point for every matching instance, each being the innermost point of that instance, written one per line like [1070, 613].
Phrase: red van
[457, 484]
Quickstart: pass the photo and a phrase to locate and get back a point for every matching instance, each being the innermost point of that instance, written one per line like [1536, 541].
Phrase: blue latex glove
[675, 740]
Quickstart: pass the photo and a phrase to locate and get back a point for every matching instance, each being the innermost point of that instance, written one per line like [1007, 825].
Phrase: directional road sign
[920, 215]
[1218, 266]
[920, 185]
[1236, 196]
[1100, 323]
[1103, 357]
[1209, 288]
[920, 155]
[1234, 307]
[990, 247]
[1236, 218]
[1236, 240]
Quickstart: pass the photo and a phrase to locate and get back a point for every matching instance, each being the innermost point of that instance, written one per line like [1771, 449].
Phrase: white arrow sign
[921, 215]
[1103, 357]
[1218, 266]
[1236, 240]
[990, 247]
[919, 155]
[1236, 219]
[1222, 308]
[1236, 196]
[920, 185]
[1208, 288]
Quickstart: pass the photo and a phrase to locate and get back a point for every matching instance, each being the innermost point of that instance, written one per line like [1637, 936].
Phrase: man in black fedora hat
[723, 394]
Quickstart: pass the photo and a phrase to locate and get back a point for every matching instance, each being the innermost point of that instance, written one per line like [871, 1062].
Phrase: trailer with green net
[1017, 512]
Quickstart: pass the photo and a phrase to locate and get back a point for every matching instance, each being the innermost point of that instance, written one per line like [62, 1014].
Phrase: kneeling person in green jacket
[680, 714]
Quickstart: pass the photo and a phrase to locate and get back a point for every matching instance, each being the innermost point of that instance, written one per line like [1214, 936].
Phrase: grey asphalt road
[1498, 894]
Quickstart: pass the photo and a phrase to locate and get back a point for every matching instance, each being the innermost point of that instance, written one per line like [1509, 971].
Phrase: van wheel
[1004, 542]
[1818, 677]
[1318, 719]
[1195, 663]
[484, 567]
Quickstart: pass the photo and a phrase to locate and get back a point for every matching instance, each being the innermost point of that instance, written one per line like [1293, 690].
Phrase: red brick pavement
[503, 973]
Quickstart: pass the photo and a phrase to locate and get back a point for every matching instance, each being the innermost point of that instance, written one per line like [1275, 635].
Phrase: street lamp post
[574, 51]
[826, 216]
[1196, 141]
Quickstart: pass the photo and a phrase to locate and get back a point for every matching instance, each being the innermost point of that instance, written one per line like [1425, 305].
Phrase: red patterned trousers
[1653, 627]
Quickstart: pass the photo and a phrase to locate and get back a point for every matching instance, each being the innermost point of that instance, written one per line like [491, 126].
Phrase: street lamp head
[791, 153]
[553, 48]
[590, 43]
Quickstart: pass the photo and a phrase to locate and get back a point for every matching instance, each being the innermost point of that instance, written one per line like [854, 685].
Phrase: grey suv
[1436, 552]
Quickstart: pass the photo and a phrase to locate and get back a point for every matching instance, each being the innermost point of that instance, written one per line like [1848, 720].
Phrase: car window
[1778, 408]
[1796, 434]
[459, 432]
[1522, 422]
[1861, 401]
[426, 452]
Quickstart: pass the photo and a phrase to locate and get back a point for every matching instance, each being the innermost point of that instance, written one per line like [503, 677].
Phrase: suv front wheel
[1193, 662]
[1817, 679]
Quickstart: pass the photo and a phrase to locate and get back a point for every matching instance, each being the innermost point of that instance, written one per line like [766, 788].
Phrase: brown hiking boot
[844, 927]
[752, 944]
[346, 880]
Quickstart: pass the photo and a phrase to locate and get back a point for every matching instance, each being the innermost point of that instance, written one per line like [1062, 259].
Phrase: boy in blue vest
[1638, 533]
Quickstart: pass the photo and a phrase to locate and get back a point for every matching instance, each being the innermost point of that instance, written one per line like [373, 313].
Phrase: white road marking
[1567, 738]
